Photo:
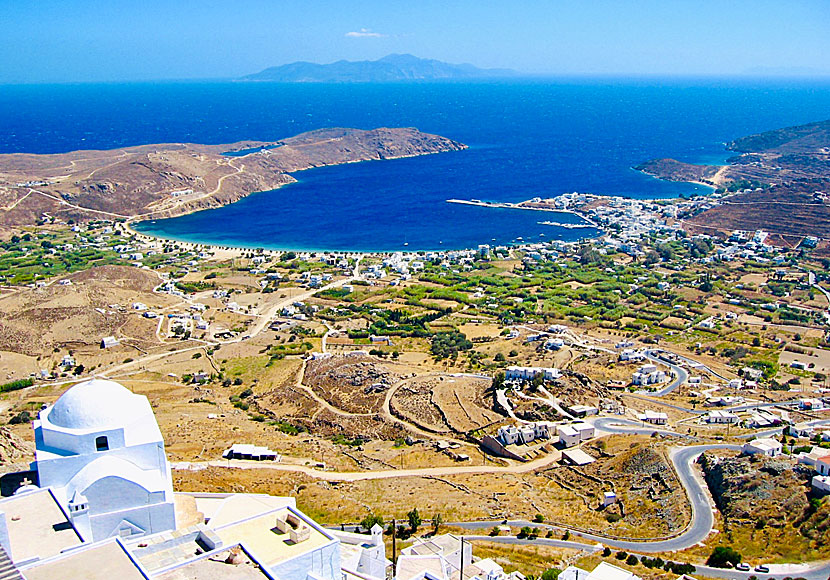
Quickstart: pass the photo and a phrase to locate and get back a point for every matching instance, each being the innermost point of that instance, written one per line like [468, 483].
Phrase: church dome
[96, 404]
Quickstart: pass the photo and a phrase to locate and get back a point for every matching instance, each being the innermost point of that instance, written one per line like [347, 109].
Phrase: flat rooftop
[262, 538]
[218, 567]
[37, 526]
[104, 561]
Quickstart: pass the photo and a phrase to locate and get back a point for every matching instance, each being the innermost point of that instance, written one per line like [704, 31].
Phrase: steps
[7, 569]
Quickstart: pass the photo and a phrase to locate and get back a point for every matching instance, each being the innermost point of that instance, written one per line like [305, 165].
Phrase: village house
[574, 433]
[653, 417]
[721, 417]
[764, 446]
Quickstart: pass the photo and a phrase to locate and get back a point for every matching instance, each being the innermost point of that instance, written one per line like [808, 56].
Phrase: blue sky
[112, 40]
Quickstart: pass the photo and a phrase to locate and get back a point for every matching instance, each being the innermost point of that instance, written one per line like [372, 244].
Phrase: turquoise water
[526, 138]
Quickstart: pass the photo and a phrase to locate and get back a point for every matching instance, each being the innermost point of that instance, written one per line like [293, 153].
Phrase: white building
[512, 435]
[629, 354]
[514, 373]
[604, 571]
[575, 433]
[821, 483]
[653, 417]
[764, 446]
[719, 416]
[100, 450]
[648, 375]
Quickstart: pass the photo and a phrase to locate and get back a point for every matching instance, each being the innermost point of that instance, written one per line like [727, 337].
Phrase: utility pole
[394, 553]
[461, 575]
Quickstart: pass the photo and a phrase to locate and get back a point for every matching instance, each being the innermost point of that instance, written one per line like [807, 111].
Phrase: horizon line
[517, 76]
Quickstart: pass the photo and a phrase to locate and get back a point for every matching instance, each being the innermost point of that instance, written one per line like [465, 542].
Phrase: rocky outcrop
[752, 489]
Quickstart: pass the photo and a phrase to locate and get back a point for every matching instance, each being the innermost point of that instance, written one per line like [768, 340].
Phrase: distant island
[778, 181]
[171, 179]
[391, 68]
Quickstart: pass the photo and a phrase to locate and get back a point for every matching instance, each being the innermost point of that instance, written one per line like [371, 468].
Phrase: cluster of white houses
[648, 374]
[570, 434]
[514, 373]
[99, 504]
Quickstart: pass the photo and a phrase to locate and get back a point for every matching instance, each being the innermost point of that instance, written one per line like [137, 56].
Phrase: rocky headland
[778, 181]
[171, 179]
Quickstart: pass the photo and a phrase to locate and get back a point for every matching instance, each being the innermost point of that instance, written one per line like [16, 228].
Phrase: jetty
[525, 205]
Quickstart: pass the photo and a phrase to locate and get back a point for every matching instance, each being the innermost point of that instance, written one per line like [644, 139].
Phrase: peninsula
[777, 181]
[167, 180]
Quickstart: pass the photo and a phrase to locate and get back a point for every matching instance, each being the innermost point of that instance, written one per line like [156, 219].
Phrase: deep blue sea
[527, 138]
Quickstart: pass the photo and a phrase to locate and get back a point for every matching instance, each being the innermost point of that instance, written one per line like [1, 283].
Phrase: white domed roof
[96, 404]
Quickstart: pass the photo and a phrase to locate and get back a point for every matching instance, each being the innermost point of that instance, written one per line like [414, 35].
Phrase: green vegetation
[722, 557]
[16, 385]
[449, 344]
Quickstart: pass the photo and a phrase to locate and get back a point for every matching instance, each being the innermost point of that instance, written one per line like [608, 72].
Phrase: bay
[527, 138]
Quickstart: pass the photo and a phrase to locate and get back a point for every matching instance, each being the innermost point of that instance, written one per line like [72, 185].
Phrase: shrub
[21, 418]
[632, 560]
[538, 518]
[723, 555]
[621, 555]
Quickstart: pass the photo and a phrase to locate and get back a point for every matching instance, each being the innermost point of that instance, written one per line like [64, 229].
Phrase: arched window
[101, 443]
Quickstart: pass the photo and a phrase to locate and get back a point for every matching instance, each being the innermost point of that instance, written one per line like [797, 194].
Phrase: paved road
[702, 510]
[627, 426]
[680, 376]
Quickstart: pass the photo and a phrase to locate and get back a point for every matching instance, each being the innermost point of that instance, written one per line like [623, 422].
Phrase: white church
[101, 452]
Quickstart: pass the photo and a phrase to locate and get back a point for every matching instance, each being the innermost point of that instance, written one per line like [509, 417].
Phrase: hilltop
[778, 181]
[172, 179]
[391, 68]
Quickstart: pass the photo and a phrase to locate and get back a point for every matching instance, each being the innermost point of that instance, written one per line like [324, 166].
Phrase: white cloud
[364, 33]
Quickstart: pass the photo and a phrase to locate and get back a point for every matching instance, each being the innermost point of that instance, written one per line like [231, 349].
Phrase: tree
[437, 520]
[606, 552]
[550, 574]
[414, 519]
[537, 381]
[723, 555]
[495, 531]
[369, 521]
[632, 560]
[538, 518]
[499, 357]
[449, 344]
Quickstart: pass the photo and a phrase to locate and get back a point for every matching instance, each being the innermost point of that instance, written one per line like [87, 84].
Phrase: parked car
[761, 568]
[743, 567]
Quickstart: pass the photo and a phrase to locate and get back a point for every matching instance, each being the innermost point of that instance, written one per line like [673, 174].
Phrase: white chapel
[101, 452]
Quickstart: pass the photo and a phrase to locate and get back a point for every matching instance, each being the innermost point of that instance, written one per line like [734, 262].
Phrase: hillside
[172, 179]
[779, 180]
[391, 68]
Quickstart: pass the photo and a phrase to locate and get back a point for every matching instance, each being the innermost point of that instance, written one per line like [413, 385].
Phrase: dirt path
[369, 475]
